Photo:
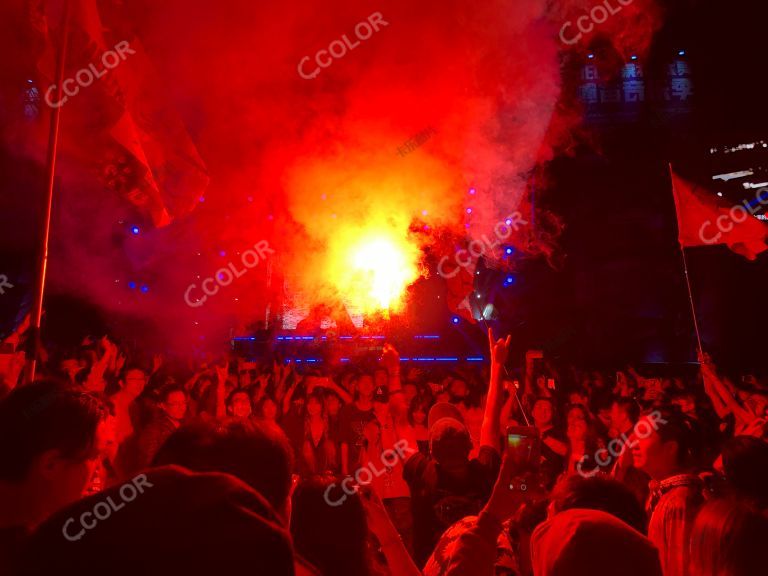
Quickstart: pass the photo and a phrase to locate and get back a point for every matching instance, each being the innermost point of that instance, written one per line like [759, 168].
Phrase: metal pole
[33, 353]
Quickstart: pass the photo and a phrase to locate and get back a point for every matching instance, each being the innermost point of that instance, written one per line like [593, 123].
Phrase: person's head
[624, 414]
[365, 387]
[246, 376]
[600, 404]
[50, 442]
[458, 390]
[380, 377]
[584, 541]
[329, 527]
[133, 379]
[665, 442]
[173, 402]
[685, 401]
[315, 404]
[163, 521]
[410, 391]
[577, 423]
[729, 538]
[598, 493]
[579, 396]
[543, 412]
[417, 411]
[332, 403]
[259, 454]
[266, 409]
[239, 403]
[745, 466]
[450, 445]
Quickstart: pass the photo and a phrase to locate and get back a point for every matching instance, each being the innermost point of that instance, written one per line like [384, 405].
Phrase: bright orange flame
[357, 205]
[373, 270]
[383, 270]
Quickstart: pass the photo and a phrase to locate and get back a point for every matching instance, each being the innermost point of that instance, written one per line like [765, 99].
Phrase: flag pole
[35, 349]
[687, 277]
[690, 299]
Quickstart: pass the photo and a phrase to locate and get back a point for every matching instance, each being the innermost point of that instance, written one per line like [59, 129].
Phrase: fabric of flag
[118, 125]
[705, 220]
[460, 286]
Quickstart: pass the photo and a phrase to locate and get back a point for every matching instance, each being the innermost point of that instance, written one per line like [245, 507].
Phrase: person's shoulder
[415, 466]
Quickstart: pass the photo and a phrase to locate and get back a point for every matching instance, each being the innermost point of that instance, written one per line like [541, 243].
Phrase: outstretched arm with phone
[474, 552]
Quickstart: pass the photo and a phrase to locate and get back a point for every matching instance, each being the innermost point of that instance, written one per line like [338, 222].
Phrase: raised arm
[289, 394]
[398, 559]
[398, 407]
[491, 428]
[95, 380]
[222, 373]
[345, 396]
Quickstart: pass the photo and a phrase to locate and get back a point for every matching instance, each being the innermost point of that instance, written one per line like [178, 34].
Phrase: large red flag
[704, 220]
[117, 123]
[460, 283]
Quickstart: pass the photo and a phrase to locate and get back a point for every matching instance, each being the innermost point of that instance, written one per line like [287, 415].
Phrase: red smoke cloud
[307, 164]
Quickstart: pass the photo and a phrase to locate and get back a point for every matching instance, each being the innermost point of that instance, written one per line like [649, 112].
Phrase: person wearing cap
[447, 485]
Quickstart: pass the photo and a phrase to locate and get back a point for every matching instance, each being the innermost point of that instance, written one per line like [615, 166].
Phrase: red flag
[460, 286]
[704, 220]
[116, 120]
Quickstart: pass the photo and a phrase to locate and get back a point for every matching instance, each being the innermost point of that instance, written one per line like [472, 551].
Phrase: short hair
[234, 393]
[259, 454]
[167, 390]
[600, 493]
[677, 427]
[132, 368]
[629, 406]
[44, 416]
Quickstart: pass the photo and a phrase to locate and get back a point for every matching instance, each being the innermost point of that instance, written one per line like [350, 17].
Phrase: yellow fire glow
[375, 269]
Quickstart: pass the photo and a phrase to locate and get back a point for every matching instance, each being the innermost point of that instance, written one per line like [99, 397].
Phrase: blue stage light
[144, 288]
[455, 319]
[132, 285]
[681, 53]
[135, 230]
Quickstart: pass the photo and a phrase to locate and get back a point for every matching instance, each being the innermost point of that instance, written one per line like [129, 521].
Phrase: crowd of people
[111, 466]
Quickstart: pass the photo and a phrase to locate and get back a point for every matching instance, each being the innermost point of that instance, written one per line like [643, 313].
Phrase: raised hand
[157, 362]
[222, 373]
[512, 490]
[390, 359]
[499, 349]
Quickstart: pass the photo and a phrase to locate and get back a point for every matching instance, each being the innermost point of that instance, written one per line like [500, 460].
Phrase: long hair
[591, 439]
[729, 539]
